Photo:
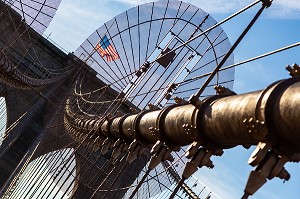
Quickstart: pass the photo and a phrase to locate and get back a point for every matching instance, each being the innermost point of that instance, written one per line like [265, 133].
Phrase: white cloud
[74, 15]
[279, 9]
[215, 6]
[287, 9]
[76, 20]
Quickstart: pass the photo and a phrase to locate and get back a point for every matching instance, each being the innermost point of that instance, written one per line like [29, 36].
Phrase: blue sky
[279, 26]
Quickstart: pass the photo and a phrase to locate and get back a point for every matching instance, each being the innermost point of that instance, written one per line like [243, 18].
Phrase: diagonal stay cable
[246, 61]
[212, 27]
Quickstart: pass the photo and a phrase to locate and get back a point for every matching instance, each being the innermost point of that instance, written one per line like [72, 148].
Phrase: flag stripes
[106, 50]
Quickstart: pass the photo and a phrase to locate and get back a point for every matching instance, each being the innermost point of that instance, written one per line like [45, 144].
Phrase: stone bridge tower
[33, 110]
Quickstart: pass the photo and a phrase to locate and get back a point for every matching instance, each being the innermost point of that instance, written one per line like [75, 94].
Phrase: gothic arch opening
[49, 176]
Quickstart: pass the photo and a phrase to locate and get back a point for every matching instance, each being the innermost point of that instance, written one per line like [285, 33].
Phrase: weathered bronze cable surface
[266, 118]
[220, 122]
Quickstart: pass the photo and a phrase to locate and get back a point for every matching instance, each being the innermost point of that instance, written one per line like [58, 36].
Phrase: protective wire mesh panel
[144, 55]
[37, 13]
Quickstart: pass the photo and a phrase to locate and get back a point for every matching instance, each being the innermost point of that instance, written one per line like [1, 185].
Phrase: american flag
[106, 49]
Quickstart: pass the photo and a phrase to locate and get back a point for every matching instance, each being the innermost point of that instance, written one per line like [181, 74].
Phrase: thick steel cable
[213, 27]
[200, 91]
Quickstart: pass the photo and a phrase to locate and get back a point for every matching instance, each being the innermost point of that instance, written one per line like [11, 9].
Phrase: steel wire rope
[131, 186]
[84, 102]
[82, 143]
[66, 162]
[3, 116]
[91, 57]
[149, 32]
[116, 100]
[159, 183]
[199, 92]
[34, 19]
[25, 160]
[185, 10]
[28, 172]
[138, 18]
[26, 31]
[99, 97]
[247, 61]
[68, 176]
[28, 68]
[122, 188]
[148, 172]
[211, 85]
[66, 165]
[119, 188]
[184, 66]
[33, 8]
[175, 67]
[58, 127]
[125, 51]
[179, 84]
[121, 85]
[50, 173]
[173, 25]
[36, 176]
[15, 124]
[95, 162]
[179, 72]
[213, 27]
[115, 179]
[91, 92]
[183, 20]
[47, 174]
[142, 86]
[162, 22]
[113, 169]
[216, 58]
[4, 36]
[132, 54]
[107, 30]
[66, 95]
[99, 175]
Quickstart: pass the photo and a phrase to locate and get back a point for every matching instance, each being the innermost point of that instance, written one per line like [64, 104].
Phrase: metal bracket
[160, 152]
[135, 149]
[179, 100]
[267, 3]
[294, 70]
[195, 101]
[221, 90]
[269, 164]
[199, 159]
